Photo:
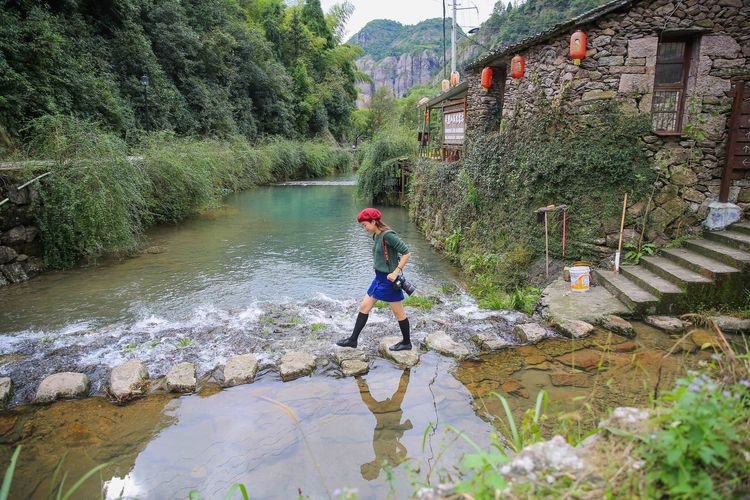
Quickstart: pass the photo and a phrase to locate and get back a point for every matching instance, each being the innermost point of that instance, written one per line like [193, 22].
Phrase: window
[672, 66]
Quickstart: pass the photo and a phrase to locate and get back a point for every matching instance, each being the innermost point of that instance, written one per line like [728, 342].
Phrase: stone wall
[620, 64]
[20, 244]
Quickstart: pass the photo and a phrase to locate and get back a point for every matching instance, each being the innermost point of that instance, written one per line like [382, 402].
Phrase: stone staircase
[711, 271]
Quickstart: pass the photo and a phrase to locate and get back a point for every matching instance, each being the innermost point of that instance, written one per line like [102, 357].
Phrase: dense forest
[216, 68]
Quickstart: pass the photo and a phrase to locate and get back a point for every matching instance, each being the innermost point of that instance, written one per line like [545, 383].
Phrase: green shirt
[396, 247]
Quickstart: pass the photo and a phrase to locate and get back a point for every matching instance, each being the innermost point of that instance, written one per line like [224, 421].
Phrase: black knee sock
[404, 325]
[359, 324]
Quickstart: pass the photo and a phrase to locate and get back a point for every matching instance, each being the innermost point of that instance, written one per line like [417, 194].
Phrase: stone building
[681, 61]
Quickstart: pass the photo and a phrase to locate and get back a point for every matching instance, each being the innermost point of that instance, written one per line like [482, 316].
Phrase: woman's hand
[392, 277]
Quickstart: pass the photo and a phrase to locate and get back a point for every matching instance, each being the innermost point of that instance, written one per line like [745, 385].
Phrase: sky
[412, 11]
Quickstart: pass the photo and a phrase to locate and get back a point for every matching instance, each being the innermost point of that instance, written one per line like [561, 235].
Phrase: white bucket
[579, 278]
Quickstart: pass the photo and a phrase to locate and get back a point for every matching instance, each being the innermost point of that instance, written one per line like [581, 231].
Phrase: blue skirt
[382, 289]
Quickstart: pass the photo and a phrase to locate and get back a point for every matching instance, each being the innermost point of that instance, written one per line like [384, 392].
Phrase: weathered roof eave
[448, 94]
[504, 53]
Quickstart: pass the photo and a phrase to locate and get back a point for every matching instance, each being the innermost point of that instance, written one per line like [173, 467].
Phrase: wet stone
[440, 342]
[535, 360]
[545, 366]
[665, 323]
[181, 378]
[702, 338]
[530, 332]
[584, 359]
[618, 325]
[579, 379]
[65, 385]
[128, 380]
[7, 422]
[574, 328]
[489, 342]
[730, 324]
[240, 370]
[6, 385]
[403, 358]
[296, 364]
[624, 347]
[514, 387]
[352, 361]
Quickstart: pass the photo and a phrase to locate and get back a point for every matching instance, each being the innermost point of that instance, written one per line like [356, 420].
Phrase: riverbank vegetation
[481, 210]
[100, 201]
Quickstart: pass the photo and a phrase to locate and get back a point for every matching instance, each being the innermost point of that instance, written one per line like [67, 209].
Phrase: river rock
[6, 385]
[530, 332]
[488, 342]
[63, 385]
[240, 369]
[353, 362]
[403, 358]
[543, 459]
[577, 379]
[514, 387]
[666, 323]
[296, 364]
[440, 342]
[181, 378]
[617, 325]
[583, 359]
[128, 380]
[730, 324]
[703, 338]
[575, 328]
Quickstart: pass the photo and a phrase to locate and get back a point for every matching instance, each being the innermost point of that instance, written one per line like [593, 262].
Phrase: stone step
[717, 251]
[705, 266]
[635, 297]
[680, 276]
[734, 239]
[741, 227]
[662, 289]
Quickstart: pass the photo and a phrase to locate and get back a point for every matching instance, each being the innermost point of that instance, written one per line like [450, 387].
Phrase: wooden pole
[622, 227]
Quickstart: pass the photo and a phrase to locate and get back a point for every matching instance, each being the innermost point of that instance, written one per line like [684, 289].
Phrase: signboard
[454, 127]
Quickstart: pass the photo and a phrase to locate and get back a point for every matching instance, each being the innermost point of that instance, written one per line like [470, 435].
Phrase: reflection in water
[388, 427]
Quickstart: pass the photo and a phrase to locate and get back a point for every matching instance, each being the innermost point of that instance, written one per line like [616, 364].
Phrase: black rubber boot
[358, 326]
[405, 344]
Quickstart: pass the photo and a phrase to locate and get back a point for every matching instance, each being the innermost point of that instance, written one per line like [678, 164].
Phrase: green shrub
[94, 201]
[378, 159]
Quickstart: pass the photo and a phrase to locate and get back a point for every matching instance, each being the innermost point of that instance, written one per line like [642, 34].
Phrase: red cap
[369, 214]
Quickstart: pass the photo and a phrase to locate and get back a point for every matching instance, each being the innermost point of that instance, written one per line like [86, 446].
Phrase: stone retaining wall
[620, 64]
[20, 244]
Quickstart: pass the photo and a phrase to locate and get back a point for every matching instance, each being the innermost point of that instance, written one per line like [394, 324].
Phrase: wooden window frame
[689, 42]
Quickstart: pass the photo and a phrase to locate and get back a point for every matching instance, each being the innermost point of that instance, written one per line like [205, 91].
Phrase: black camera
[400, 283]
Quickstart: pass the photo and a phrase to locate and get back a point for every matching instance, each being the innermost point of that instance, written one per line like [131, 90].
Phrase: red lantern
[578, 46]
[517, 66]
[486, 79]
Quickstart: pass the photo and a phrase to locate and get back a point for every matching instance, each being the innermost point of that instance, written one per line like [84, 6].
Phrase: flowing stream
[275, 269]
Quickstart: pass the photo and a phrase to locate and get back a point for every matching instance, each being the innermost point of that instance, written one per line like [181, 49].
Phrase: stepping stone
[403, 358]
[6, 385]
[296, 364]
[730, 324]
[666, 323]
[530, 332]
[441, 342]
[181, 378]
[488, 342]
[65, 385]
[240, 370]
[575, 328]
[617, 325]
[128, 380]
[353, 362]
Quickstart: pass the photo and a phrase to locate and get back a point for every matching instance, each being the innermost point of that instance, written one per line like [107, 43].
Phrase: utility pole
[453, 31]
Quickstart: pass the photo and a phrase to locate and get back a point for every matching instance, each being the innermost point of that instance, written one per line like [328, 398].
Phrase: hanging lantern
[454, 78]
[517, 66]
[578, 46]
[486, 79]
[445, 85]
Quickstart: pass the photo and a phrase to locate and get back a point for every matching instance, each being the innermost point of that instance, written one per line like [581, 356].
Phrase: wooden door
[738, 144]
